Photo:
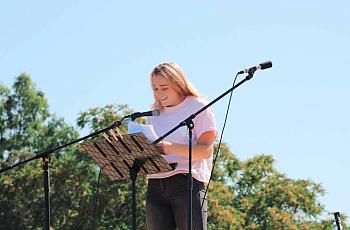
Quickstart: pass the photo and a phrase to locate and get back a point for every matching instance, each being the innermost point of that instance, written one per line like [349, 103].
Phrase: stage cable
[217, 151]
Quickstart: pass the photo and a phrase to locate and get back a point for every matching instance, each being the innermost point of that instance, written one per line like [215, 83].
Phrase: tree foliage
[249, 194]
[254, 195]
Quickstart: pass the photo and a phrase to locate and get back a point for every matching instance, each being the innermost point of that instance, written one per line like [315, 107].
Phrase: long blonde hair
[174, 74]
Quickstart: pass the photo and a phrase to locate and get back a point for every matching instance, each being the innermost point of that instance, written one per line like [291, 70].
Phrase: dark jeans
[167, 204]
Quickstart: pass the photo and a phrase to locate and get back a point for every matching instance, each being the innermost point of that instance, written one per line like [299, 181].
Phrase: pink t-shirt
[203, 122]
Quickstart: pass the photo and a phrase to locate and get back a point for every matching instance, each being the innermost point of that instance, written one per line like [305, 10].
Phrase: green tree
[222, 214]
[254, 195]
[27, 128]
[242, 195]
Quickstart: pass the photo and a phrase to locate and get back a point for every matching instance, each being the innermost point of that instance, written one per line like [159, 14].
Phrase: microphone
[261, 66]
[133, 116]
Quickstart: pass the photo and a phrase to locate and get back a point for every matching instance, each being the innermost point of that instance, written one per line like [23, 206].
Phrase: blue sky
[85, 54]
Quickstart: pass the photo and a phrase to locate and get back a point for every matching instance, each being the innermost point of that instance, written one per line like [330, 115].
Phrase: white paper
[147, 130]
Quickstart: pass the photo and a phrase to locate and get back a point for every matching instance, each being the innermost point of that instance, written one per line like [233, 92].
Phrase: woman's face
[165, 92]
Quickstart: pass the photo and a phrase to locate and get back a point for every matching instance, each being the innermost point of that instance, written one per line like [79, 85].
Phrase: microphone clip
[250, 75]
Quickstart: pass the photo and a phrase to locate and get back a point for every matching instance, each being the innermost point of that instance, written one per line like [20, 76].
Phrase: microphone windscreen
[266, 65]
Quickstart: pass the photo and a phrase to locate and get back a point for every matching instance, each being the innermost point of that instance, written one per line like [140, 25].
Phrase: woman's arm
[203, 149]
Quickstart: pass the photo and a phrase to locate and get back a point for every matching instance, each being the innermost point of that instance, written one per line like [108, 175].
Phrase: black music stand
[123, 156]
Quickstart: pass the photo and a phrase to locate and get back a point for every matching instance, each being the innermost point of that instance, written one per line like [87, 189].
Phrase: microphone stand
[338, 221]
[46, 159]
[189, 123]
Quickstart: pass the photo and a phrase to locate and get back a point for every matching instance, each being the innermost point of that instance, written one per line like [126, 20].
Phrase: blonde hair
[174, 74]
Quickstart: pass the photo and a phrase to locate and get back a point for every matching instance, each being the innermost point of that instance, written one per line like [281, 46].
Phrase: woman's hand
[165, 147]
[202, 150]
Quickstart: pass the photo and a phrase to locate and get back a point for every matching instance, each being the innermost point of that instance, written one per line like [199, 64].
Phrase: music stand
[120, 156]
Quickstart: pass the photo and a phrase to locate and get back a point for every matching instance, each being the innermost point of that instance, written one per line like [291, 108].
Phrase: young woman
[167, 196]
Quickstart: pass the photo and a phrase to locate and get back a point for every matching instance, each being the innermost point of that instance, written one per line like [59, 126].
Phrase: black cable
[217, 151]
[96, 200]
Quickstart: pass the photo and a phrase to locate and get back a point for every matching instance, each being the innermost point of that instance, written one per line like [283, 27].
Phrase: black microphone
[261, 66]
[132, 117]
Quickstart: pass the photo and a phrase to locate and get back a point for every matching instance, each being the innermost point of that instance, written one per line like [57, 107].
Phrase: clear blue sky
[84, 54]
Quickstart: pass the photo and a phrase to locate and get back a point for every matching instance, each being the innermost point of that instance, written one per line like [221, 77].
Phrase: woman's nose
[159, 95]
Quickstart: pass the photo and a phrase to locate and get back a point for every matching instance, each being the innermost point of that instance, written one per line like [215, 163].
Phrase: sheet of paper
[147, 130]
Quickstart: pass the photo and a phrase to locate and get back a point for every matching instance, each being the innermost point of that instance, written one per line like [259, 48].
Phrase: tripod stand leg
[133, 175]
[46, 161]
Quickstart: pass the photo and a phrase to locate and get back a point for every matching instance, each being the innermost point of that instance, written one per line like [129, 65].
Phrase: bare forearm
[202, 150]
[198, 151]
